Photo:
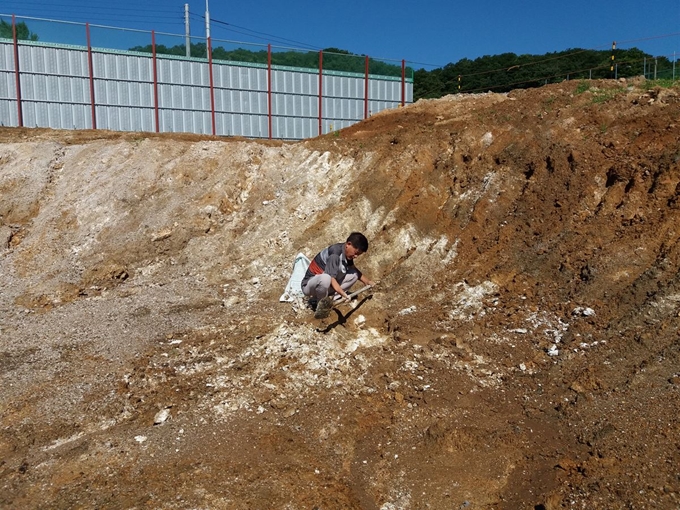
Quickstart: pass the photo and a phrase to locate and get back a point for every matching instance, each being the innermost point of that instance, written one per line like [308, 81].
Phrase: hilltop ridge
[520, 351]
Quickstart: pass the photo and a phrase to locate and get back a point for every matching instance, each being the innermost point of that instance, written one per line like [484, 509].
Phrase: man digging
[332, 272]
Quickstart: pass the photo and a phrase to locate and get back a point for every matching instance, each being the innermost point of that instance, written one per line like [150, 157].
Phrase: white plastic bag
[293, 289]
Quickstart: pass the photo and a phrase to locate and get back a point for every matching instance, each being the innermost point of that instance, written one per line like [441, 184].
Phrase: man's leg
[318, 286]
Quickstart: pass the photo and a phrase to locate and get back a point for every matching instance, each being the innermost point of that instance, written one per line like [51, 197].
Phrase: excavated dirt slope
[521, 349]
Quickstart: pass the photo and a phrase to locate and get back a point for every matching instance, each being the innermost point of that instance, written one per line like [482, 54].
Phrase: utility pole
[655, 63]
[207, 21]
[187, 37]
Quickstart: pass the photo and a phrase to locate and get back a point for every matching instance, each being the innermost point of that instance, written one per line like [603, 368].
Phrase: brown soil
[520, 351]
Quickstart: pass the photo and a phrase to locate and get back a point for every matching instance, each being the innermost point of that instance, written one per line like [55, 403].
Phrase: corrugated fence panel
[124, 92]
[343, 103]
[184, 96]
[408, 89]
[8, 90]
[54, 87]
[55, 92]
[241, 104]
[295, 104]
[383, 94]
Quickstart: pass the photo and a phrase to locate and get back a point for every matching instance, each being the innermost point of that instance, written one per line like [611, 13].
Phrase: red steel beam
[16, 71]
[91, 66]
[403, 82]
[366, 91]
[269, 88]
[155, 81]
[320, 87]
[212, 87]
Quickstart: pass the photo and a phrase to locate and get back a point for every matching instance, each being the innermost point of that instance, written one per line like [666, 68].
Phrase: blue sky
[427, 34]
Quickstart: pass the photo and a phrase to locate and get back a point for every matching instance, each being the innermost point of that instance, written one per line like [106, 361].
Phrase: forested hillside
[508, 71]
[497, 73]
[334, 59]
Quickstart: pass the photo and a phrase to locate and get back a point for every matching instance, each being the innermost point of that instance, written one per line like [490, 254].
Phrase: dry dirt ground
[522, 349]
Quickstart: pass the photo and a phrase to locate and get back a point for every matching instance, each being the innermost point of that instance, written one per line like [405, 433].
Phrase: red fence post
[212, 87]
[320, 87]
[155, 80]
[16, 71]
[91, 66]
[269, 88]
[366, 91]
[403, 82]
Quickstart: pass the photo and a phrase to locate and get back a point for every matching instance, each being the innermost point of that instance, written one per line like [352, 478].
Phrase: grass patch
[604, 95]
[583, 86]
[664, 83]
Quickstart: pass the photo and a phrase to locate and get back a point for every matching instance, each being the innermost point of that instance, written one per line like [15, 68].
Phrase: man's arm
[337, 288]
[365, 280]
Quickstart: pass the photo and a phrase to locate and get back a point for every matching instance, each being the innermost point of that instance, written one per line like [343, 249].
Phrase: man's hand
[367, 281]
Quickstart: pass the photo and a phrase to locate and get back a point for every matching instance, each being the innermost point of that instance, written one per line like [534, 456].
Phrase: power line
[170, 17]
[85, 13]
[559, 57]
[136, 20]
[596, 48]
[60, 7]
[650, 38]
[554, 76]
[254, 33]
[269, 35]
[439, 88]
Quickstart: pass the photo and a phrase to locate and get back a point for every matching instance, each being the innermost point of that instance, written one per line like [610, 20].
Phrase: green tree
[507, 71]
[334, 59]
[23, 32]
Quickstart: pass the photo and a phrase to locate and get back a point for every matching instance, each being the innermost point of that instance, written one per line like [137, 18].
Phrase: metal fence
[74, 86]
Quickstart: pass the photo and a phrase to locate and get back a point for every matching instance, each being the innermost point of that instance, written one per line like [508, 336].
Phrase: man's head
[355, 245]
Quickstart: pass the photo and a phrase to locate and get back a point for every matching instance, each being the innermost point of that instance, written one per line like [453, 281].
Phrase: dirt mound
[520, 351]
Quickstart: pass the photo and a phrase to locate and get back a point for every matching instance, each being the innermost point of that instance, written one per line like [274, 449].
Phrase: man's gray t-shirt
[332, 261]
